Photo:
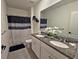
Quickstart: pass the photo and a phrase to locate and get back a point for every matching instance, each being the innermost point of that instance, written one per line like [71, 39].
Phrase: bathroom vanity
[63, 15]
[45, 50]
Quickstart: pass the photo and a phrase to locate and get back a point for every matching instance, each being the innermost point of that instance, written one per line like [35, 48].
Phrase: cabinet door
[45, 54]
[36, 46]
[50, 53]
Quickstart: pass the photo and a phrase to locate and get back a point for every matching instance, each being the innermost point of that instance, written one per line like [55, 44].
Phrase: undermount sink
[59, 44]
[39, 35]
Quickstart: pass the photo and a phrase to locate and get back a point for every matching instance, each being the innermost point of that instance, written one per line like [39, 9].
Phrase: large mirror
[61, 15]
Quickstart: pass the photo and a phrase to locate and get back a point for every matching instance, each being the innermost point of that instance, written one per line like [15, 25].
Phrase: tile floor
[24, 53]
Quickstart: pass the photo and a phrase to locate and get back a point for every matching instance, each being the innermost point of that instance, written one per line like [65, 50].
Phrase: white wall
[6, 37]
[18, 12]
[43, 4]
[32, 13]
[4, 24]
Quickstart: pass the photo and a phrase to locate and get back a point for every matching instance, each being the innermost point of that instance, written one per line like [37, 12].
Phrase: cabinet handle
[52, 57]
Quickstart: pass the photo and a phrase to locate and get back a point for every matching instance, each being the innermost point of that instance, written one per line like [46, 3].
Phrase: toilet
[28, 43]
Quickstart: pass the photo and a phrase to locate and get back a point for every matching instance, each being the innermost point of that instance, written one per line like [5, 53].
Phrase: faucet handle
[65, 40]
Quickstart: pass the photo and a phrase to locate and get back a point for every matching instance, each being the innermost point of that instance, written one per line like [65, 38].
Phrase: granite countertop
[68, 52]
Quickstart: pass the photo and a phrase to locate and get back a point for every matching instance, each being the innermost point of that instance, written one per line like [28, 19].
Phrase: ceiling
[21, 4]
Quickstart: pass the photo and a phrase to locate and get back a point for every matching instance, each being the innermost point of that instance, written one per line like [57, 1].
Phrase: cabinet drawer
[54, 52]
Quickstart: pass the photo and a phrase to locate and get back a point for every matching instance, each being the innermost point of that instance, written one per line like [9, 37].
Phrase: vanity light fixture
[35, 19]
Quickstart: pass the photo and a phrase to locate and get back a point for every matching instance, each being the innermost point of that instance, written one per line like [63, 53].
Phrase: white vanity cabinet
[50, 53]
[36, 46]
[45, 54]
[43, 51]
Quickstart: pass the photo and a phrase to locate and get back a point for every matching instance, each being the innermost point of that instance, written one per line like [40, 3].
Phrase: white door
[73, 28]
[74, 23]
